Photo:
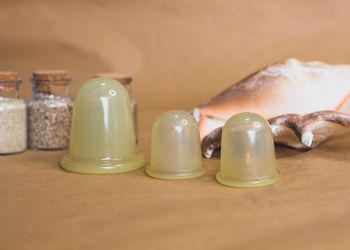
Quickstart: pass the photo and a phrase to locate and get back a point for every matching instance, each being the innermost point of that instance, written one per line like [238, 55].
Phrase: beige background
[180, 53]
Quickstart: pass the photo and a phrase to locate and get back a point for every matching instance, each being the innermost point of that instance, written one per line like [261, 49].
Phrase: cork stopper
[50, 77]
[122, 78]
[9, 81]
[9, 77]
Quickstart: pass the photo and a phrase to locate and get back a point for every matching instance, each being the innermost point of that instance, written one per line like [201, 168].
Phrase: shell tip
[307, 138]
[195, 113]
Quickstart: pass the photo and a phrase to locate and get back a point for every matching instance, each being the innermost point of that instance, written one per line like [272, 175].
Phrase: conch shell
[297, 131]
[301, 101]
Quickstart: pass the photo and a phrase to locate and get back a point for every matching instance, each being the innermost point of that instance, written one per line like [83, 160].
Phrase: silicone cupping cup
[176, 151]
[247, 152]
[102, 133]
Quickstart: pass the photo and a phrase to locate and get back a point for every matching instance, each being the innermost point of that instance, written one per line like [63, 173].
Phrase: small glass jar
[49, 110]
[13, 116]
[126, 81]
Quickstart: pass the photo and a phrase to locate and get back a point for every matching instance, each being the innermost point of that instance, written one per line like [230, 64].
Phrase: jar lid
[10, 77]
[122, 78]
[50, 76]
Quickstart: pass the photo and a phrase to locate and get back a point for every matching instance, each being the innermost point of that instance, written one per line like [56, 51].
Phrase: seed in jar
[13, 125]
[49, 121]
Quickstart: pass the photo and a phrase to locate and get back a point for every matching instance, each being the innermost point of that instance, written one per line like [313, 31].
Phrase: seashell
[297, 131]
[282, 92]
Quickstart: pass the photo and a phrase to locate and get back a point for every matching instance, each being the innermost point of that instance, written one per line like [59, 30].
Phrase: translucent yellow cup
[102, 133]
[175, 151]
[247, 152]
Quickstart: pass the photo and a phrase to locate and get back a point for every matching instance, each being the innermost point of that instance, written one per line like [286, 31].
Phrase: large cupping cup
[175, 151]
[247, 152]
[102, 133]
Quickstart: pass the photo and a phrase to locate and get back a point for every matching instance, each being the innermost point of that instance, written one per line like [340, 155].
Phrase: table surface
[44, 207]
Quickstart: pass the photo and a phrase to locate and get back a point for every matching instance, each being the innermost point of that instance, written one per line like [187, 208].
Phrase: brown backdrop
[180, 53]
[185, 50]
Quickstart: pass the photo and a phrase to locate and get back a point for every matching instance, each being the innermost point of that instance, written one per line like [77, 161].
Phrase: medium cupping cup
[176, 151]
[247, 152]
[102, 133]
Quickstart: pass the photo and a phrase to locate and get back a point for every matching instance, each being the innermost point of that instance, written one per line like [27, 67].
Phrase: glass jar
[126, 81]
[49, 110]
[13, 116]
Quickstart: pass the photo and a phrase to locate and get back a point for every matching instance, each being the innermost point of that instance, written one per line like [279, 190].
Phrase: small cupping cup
[176, 151]
[247, 152]
[102, 133]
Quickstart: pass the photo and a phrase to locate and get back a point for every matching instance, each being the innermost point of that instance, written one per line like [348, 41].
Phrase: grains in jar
[13, 118]
[49, 110]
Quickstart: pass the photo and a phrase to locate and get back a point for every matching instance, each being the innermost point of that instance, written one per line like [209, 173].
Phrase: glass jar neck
[51, 89]
[9, 89]
[127, 86]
